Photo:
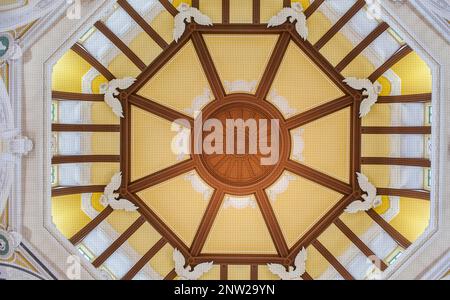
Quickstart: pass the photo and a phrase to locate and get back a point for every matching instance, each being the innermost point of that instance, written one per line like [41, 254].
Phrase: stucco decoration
[186, 14]
[9, 48]
[9, 241]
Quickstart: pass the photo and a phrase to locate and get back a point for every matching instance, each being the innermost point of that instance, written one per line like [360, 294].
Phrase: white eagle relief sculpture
[189, 273]
[371, 90]
[199, 102]
[110, 198]
[240, 86]
[110, 90]
[187, 13]
[282, 104]
[199, 186]
[239, 202]
[371, 200]
[298, 145]
[293, 273]
[280, 186]
[291, 14]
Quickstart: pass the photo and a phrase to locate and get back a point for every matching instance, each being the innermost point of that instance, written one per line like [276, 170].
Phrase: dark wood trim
[422, 98]
[418, 194]
[223, 272]
[71, 159]
[273, 65]
[80, 235]
[396, 57]
[319, 112]
[256, 11]
[397, 236]
[332, 260]
[196, 3]
[396, 130]
[306, 275]
[286, 3]
[66, 96]
[355, 142]
[318, 177]
[145, 259]
[169, 7]
[207, 222]
[125, 144]
[171, 276]
[118, 242]
[238, 259]
[85, 128]
[339, 24]
[208, 66]
[395, 161]
[220, 28]
[313, 7]
[253, 272]
[361, 46]
[74, 190]
[120, 44]
[358, 243]
[161, 176]
[84, 54]
[142, 23]
[225, 11]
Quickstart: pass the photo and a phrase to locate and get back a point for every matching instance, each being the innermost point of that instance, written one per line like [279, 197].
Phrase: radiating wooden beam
[319, 112]
[273, 65]
[238, 259]
[239, 28]
[145, 259]
[256, 11]
[312, 8]
[225, 11]
[74, 190]
[395, 161]
[395, 235]
[355, 142]
[118, 242]
[80, 235]
[318, 177]
[120, 44]
[125, 144]
[286, 3]
[161, 176]
[71, 159]
[306, 276]
[159, 110]
[361, 46]
[207, 222]
[339, 24]
[418, 194]
[332, 260]
[169, 7]
[196, 3]
[358, 243]
[421, 98]
[66, 96]
[396, 130]
[171, 276]
[396, 57]
[90, 59]
[208, 66]
[253, 272]
[272, 223]
[142, 23]
[85, 128]
[223, 272]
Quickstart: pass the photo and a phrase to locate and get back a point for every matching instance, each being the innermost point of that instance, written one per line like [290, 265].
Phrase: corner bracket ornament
[371, 90]
[109, 198]
[291, 14]
[186, 14]
[9, 242]
[9, 48]
[293, 273]
[370, 199]
[111, 92]
[189, 273]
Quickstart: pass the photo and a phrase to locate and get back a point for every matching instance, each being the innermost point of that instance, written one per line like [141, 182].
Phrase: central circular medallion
[244, 143]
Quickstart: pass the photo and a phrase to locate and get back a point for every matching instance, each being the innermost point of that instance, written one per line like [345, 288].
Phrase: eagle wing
[281, 17]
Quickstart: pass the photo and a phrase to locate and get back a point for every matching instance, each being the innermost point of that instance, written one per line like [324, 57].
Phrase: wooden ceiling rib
[238, 259]
[83, 53]
[332, 260]
[397, 236]
[286, 3]
[196, 3]
[242, 29]
[313, 7]
[396, 57]
[396, 161]
[66, 96]
[171, 276]
[418, 194]
[72, 159]
[419, 98]
[73, 190]
[225, 11]
[223, 272]
[396, 130]
[85, 128]
[256, 11]
[254, 272]
[80, 235]
[169, 7]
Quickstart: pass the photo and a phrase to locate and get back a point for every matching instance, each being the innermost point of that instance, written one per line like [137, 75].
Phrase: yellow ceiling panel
[213, 9]
[241, 11]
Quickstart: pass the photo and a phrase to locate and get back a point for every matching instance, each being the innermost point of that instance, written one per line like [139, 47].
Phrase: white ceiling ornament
[109, 198]
[111, 90]
[199, 186]
[298, 145]
[240, 86]
[189, 273]
[282, 104]
[9, 48]
[9, 242]
[293, 273]
[280, 186]
[199, 102]
[239, 202]
[187, 13]
[371, 200]
[371, 90]
[291, 14]
[181, 142]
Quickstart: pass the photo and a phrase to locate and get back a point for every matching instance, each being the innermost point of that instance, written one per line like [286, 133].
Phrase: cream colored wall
[67, 214]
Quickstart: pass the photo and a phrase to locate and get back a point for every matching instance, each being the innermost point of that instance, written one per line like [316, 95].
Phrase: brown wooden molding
[225, 11]
[196, 3]
[273, 65]
[286, 3]
[120, 44]
[158, 109]
[395, 235]
[272, 223]
[171, 276]
[253, 272]
[208, 66]
[74, 190]
[319, 112]
[125, 144]
[313, 7]
[396, 57]
[238, 259]
[358, 243]
[80, 235]
[207, 222]
[223, 272]
[418, 194]
[85, 128]
[332, 260]
[426, 97]
[395, 161]
[396, 130]
[118, 242]
[161, 176]
[241, 29]
[356, 144]
[142, 23]
[318, 177]
[145, 259]
[256, 11]
[306, 276]
[361, 46]
[83, 53]
[169, 7]
[339, 24]
[66, 96]
[71, 159]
